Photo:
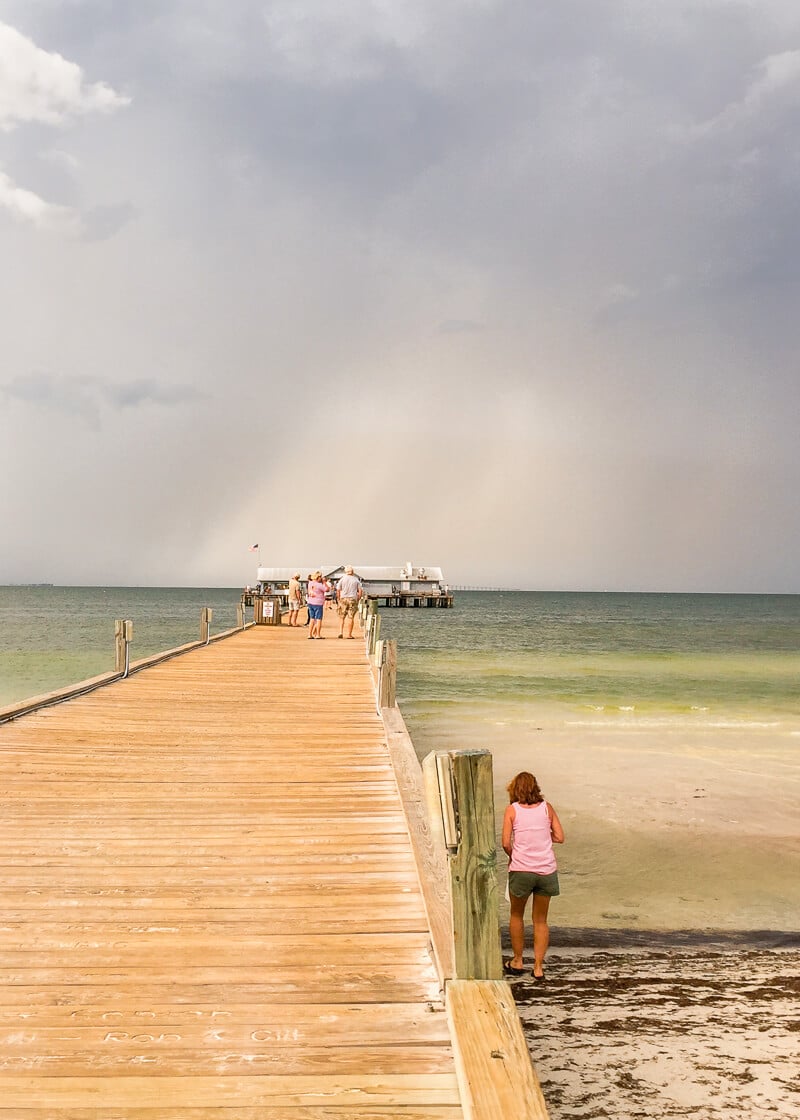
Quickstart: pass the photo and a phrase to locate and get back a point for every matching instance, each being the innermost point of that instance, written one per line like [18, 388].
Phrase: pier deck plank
[210, 907]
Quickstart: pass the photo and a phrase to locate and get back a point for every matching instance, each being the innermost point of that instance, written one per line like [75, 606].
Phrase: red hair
[524, 789]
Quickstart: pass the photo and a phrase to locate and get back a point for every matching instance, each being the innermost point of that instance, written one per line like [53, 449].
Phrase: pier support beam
[387, 682]
[374, 633]
[123, 636]
[463, 782]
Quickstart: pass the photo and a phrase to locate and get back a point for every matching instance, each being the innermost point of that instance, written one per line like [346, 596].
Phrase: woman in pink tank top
[530, 828]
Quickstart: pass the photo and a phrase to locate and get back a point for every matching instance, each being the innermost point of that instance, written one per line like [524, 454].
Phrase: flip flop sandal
[509, 969]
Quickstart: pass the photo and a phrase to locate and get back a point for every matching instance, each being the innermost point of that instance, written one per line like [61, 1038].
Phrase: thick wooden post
[119, 645]
[206, 614]
[240, 615]
[123, 636]
[374, 633]
[473, 870]
[388, 679]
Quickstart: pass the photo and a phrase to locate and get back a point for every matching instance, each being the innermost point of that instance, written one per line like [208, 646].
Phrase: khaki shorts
[348, 607]
[524, 883]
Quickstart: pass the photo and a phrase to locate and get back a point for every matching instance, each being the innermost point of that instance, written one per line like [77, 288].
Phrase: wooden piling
[473, 869]
[388, 676]
[119, 645]
[374, 634]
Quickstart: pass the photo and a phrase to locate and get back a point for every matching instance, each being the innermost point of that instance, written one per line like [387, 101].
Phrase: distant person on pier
[295, 599]
[315, 598]
[309, 578]
[530, 828]
[348, 593]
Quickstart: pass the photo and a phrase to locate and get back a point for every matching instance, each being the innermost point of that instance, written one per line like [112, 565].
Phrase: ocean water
[56, 636]
[604, 654]
[665, 728]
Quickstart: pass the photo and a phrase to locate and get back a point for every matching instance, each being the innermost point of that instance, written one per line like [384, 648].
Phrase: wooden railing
[123, 666]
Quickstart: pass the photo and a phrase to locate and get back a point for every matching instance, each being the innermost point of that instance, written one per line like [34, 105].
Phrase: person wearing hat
[315, 600]
[295, 599]
[348, 593]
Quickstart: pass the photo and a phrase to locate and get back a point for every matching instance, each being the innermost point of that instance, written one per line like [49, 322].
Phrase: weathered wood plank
[491, 1054]
[205, 1091]
[236, 1112]
[431, 860]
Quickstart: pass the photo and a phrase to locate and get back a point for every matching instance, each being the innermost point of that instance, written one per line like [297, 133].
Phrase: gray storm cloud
[516, 280]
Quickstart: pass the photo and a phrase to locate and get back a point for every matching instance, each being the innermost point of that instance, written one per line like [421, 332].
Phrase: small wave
[677, 722]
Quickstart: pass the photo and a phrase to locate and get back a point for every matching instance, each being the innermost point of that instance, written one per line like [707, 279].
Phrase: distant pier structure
[409, 585]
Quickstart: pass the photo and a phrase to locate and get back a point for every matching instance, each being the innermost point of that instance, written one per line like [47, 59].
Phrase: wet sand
[669, 825]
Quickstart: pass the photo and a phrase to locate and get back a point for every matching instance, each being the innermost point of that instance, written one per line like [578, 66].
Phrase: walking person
[295, 599]
[348, 592]
[315, 599]
[307, 622]
[530, 828]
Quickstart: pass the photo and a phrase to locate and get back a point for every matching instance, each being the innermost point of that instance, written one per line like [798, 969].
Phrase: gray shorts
[521, 884]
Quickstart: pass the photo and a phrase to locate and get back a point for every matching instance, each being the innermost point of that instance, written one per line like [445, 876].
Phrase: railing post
[370, 623]
[388, 678]
[119, 645]
[240, 615]
[375, 633]
[206, 614]
[123, 636]
[473, 869]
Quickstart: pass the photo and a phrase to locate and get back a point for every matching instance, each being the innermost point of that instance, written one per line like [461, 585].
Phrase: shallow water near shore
[665, 729]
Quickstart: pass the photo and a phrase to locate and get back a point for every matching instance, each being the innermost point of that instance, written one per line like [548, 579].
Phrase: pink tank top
[531, 842]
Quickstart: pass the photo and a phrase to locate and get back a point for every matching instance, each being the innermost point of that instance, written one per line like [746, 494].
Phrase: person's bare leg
[516, 928]
[541, 932]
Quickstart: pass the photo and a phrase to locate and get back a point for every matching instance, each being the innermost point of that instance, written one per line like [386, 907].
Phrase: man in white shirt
[348, 593]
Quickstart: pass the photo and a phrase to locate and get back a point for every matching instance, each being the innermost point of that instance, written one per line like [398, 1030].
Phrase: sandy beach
[662, 997]
[670, 826]
[707, 1031]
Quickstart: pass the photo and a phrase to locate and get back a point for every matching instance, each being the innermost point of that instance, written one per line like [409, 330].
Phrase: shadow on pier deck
[211, 903]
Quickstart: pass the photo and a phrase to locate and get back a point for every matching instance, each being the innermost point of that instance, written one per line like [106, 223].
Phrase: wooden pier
[414, 599]
[221, 901]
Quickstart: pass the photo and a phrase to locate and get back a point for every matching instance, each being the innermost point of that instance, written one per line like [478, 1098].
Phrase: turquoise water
[606, 653]
[50, 637]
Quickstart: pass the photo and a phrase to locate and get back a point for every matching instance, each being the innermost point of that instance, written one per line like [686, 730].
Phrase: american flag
[253, 548]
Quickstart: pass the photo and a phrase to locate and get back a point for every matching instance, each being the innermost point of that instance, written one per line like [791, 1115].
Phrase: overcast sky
[506, 286]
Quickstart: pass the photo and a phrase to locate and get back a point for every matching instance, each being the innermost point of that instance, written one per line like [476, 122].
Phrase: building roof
[394, 574]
